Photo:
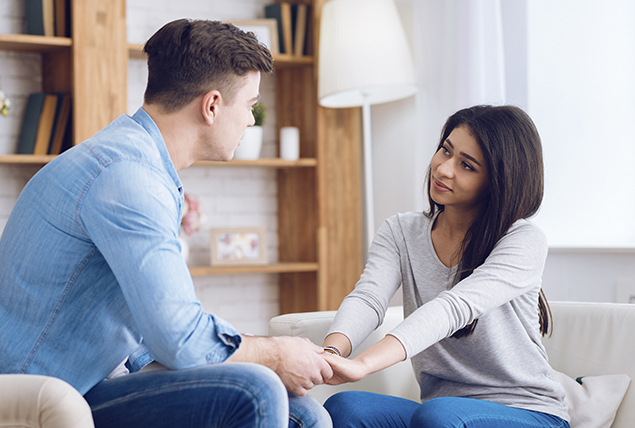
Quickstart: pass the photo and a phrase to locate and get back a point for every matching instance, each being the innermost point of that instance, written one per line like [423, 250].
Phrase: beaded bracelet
[332, 350]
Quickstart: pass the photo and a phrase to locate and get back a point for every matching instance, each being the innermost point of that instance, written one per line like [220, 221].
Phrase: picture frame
[266, 30]
[238, 246]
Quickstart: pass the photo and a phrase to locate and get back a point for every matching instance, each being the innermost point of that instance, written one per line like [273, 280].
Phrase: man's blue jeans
[354, 409]
[230, 395]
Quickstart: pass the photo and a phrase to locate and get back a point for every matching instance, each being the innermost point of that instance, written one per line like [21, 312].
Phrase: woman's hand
[382, 354]
[344, 370]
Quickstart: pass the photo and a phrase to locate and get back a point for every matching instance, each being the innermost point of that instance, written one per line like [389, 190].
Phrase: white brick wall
[230, 197]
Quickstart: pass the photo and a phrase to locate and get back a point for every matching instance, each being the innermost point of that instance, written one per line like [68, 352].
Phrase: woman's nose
[446, 169]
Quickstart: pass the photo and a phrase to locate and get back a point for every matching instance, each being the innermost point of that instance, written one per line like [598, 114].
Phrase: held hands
[301, 365]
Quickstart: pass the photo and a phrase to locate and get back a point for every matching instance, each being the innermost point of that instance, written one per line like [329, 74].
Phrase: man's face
[232, 118]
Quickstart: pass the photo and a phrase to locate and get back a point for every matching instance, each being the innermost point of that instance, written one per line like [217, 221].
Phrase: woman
[471, 272]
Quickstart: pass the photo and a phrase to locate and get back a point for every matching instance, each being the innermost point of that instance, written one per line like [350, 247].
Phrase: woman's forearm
[385, 353]
[339, 341]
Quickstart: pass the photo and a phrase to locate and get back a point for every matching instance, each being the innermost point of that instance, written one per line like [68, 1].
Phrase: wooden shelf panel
[263, 163]
[286, 60]
[259, 163]
[135, 51]
[26, 159]
[273, 268]
[31, 43]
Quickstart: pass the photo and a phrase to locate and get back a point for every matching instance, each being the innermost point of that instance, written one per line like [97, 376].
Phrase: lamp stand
[368, 173]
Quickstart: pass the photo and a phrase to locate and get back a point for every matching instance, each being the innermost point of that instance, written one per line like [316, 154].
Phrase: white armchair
[31, 401]
[589, 339]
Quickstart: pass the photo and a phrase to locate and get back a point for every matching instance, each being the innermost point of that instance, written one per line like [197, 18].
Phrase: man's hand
[299, 362]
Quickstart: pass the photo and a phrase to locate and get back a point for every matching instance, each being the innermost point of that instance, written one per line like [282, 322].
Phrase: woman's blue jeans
[231, 395]
[354, 409]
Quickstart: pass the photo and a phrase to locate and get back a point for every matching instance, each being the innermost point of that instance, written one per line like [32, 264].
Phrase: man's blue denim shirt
[90, 264]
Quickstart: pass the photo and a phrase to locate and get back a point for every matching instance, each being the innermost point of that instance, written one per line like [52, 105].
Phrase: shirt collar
[143, 118]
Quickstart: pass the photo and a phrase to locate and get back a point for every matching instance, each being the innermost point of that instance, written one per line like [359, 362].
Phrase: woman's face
[458, 171]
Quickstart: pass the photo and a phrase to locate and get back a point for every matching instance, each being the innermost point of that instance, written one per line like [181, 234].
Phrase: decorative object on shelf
[266, 31]
[289, 143]
[251, 143]
[191, 221]
[350, 74]
[5, 104]
[238, 246]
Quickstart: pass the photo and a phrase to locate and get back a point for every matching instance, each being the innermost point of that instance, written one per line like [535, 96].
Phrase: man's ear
[210, 106]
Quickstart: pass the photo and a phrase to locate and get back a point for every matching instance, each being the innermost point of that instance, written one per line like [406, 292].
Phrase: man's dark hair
[187, 58]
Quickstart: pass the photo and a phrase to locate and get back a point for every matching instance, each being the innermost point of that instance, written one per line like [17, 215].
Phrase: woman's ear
[210, 106]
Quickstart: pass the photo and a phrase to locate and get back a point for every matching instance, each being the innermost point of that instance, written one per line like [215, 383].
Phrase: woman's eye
[467, 166]
[445, 151]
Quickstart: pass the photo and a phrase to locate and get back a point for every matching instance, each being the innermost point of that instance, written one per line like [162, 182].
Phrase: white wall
[573, 271]
[581, 87]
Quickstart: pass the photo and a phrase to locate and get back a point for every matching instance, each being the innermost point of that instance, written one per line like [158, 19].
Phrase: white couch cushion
[593, 403]
[594, 339]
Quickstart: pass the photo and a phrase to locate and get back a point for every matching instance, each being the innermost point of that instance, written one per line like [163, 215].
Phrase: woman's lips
[440, 186]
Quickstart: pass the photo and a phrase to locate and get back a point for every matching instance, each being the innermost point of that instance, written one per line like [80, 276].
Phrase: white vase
[250, 145]
[185, 248]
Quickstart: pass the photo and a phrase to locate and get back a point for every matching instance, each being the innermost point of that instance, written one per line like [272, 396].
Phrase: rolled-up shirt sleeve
[131, 211]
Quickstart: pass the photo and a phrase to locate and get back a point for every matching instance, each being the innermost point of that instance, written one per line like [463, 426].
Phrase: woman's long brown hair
[513, 154]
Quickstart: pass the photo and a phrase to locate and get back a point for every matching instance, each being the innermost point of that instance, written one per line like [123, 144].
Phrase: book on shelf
[293, 24]
[30, 123]
[60, 128]
[300, 21]
[45, 127]
[62, 18]
[40, 17]
[282, 13]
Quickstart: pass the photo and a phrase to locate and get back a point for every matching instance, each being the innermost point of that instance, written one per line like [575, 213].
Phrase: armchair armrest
[41, 402]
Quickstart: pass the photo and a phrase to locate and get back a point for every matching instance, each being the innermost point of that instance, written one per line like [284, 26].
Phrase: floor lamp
[364, 59]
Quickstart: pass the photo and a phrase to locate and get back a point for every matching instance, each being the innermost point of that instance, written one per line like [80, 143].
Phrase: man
[90, 264]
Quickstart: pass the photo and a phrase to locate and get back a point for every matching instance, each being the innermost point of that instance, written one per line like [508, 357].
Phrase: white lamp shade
[364, 55]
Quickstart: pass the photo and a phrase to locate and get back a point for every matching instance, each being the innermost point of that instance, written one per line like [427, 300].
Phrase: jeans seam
[296, 419]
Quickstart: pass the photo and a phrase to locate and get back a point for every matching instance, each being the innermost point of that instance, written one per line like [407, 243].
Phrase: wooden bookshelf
[319, 195]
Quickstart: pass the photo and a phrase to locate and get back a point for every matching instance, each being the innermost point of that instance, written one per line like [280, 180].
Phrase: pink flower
[192, 218]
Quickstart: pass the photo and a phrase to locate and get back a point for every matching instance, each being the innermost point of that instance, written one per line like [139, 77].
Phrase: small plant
[5, 104]
[260, 114]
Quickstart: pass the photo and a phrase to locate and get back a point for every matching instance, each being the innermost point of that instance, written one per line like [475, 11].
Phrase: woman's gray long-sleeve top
[504, 360]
